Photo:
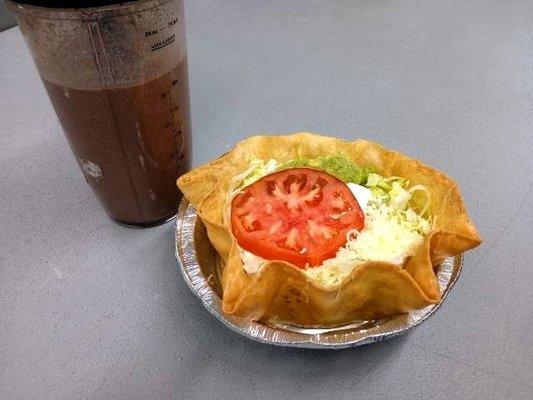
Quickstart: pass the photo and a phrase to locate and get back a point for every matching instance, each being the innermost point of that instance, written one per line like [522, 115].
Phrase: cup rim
[112, 10]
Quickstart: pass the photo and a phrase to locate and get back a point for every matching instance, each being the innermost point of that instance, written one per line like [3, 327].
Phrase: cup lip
[111, 10]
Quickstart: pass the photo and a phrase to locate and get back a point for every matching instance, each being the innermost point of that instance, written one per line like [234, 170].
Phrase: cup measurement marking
[152, 32]
[163, 43]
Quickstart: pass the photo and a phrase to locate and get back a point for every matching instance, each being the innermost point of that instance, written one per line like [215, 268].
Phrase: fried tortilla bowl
[281, 292]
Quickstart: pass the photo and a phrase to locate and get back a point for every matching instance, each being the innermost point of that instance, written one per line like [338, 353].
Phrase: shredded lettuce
[397, 192]
[258, 168]
[338, 166]
[399, 197]
[381, 186]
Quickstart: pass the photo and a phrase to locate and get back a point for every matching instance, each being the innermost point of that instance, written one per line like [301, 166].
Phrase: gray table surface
[92, 310]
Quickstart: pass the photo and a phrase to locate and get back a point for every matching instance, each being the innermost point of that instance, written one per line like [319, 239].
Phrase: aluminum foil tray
[200, 266]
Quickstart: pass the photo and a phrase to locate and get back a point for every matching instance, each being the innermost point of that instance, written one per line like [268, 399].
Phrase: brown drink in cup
[117, 78]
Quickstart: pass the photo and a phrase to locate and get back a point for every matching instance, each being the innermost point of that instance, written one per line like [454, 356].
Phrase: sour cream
[362, 194]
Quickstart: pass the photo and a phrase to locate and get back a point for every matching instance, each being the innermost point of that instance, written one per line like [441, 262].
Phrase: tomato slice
[298, 215]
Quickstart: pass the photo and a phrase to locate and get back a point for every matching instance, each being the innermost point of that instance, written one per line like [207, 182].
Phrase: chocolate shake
[131, 142]
[116, 73]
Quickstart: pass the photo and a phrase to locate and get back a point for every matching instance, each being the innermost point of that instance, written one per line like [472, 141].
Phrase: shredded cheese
[390, 235]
